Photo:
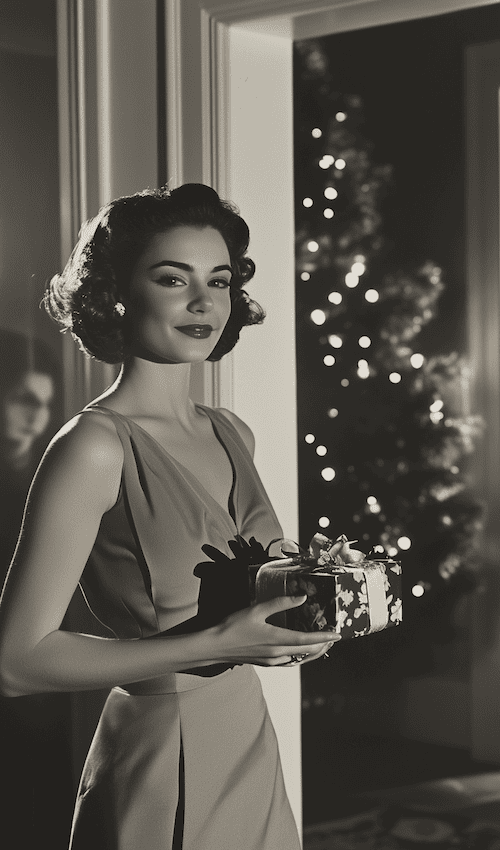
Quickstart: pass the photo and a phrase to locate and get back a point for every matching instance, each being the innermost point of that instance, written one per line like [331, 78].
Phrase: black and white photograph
[250, 424]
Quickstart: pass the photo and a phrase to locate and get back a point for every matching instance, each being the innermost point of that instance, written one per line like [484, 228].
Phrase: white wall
[260, 165]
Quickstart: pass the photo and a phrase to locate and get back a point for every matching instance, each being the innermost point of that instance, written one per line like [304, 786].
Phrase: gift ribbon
[377, 600]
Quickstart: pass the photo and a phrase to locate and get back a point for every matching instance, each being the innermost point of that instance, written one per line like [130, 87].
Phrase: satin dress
[188, 760]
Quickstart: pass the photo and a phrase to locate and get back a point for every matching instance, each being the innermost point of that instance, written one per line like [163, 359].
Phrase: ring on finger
[294, 659]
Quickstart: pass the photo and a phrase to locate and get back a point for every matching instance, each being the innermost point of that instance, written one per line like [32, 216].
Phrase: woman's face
[179, 295]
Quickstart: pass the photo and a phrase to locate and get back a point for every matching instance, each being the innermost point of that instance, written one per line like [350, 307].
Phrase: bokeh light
[417, 360]
[321, 450]
[329, 360]
[305, 276]
[363, 369]
[323, 522]
[328, 213]
[328, 473]
[395, 377]
[333, 413]
[404, 542]
[307, 202]
[335, 341]
[312, 246]
[330, 193]
[372, 295]
[318, 317]
[335, 297]
[351, 280]
[309, 438]
[364, 342]
[358, 268]
[316, 133]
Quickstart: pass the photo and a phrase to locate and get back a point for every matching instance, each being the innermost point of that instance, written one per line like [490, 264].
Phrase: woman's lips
[196, 331]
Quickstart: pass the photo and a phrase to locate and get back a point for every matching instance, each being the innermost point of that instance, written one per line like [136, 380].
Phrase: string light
[309, 438]
[351, 280]
[335, 341]
[363, 369]
[307, 202]
[395, 377]
[372, 295]
[329, 360]
[436, 417]
[323, 522]
[330, 193]
[316, 133]
[333, 413]
[364, 342]
[417, 360]
[318, 317]
[335, 297]
[312, 246]
[328, 473]
[328, 213]
[358, 268]
[321, 450]
[305, 276]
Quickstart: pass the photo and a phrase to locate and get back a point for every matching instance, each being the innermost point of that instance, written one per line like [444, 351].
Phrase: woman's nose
[201, 301]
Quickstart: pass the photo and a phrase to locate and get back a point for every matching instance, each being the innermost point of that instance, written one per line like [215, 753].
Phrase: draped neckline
[197, 486]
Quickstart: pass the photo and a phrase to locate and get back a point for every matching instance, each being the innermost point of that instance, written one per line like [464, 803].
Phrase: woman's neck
[156, 390]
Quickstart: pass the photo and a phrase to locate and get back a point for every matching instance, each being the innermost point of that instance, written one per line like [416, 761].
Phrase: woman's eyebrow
[187, 268]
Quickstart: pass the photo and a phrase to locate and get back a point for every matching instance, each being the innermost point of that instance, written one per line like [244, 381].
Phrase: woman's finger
[279, 603]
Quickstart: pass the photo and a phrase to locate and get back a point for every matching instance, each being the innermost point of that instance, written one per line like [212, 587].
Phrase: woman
[128, 498]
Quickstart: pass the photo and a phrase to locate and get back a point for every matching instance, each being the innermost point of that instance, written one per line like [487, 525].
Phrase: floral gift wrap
[347, 592]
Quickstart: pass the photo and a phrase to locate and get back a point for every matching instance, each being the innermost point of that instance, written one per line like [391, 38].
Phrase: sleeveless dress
[188, 760]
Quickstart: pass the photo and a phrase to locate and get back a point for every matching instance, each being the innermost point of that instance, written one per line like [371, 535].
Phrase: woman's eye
[170, 280]
[220, 283]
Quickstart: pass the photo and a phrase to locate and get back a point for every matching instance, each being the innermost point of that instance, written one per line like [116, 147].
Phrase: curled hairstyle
[83, 297]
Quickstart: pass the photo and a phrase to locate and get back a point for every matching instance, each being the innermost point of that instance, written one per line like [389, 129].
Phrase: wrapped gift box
[347, 592]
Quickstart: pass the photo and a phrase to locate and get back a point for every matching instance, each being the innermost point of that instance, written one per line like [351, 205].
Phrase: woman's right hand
[246, 638]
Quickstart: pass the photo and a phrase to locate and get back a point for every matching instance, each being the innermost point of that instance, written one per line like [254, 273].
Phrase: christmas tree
[384, 430]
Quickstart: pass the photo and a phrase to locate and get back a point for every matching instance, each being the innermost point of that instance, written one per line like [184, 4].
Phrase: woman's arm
[76, 483]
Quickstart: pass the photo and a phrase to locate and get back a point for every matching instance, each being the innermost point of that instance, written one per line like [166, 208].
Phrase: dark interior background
[410, 77]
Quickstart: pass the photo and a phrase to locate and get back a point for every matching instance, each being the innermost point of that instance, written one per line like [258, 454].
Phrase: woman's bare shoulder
[243, 429]
[86, 447]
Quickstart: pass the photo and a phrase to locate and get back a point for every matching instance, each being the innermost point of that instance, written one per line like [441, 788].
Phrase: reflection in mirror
[33, 736]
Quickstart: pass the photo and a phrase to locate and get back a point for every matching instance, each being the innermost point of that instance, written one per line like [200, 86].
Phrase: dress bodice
[166, 536]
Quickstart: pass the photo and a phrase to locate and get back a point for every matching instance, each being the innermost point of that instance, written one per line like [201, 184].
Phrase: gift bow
[325, 552]
[339, 557]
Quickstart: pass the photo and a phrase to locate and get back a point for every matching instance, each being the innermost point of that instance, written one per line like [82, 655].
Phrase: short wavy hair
[97, 275]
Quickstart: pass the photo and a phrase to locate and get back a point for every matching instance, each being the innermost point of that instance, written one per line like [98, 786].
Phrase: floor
[458, 813]
[337, 770]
